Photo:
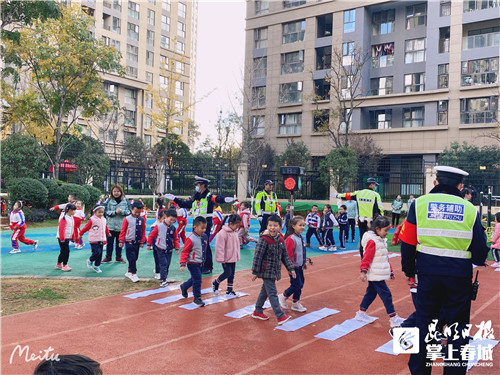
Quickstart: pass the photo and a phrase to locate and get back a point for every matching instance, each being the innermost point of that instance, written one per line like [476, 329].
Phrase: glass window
[129, 118]
[165, 5]
[260, 67]
[181, 29]
[165, 42]
[261, 7]
[131, 71]
[294, 31]
[259, 96]
[383, 22]
[150, 38]
[163, 82]
[165, 23]
[443, 76]
[478, 110]
[180, 47]
[182, 10]
[260, 37]
[130, 97]
[116, 25]
[149, 77]
[413, 117]
[290, 93]
[324, 58]
[258, 125]
[321, 119]
[445, 8]
[443, 112]
[381, 119]
[180, 67]
[292, 62]
[414, 82]
[147, 138]
[324, 25]
[151, 17]
[381, 86]
[132, 31]
[149, 101]
[292, 3]
[444, 39]
[290, 123]
[179, 88]
[382, 55]
[414, 50]
[349, 20]
[472, 5]
[480, 72]
[150, 58]
[179, 107]
[117, 5]
[132, 53]
[321, 89]
[348, 50]
[133, 10]
[416, 15]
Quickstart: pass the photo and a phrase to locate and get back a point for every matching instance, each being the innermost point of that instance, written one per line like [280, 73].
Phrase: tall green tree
[21, 157]
[63, 63]
[295, 154]
[339, 167]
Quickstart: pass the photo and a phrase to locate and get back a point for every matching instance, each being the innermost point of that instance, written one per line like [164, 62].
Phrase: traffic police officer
[202, 204]
[440, 240]
[266, 204]
[369, 206]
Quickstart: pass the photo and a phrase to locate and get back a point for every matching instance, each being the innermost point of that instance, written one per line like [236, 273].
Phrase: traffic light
[291, 178]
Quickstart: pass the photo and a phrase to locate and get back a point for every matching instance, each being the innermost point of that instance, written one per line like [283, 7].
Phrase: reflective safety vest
[444, 225]
[200, 208]
[366, 200]
[270, 203]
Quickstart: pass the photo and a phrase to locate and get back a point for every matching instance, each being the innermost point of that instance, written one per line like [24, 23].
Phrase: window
[132, 31]
[130, 97]
[324, 25]
[181, 10]
[383, 22]
[259, 96]
[131, 71]
[148, 100]
[443, 76]
[480, 72]
[478, 110]
[181, 29]
[260, 67]
[290, 123]
[147, 138]
[260, 37]
[150, 38]
[133, 10]
[413, 117]
[381, 119]
[445, 8]
[165, 42]
[349, 20]
[381, 86]
[324, 58]
[128, 135]
[151, 17]
[179, 107]
[321, 118]
[444, 39]
[179, 88]
[152, 2]
[414, 50]
[290, 93]
[165, 23]
[416, 15]
[180, 47]
[261, 7]
[346, 84]
[293, 3]
[293, 32]
[132, 53]
[414, 82]
[116, 25]
[149, 77]
[472, 5]
[180, 67]
[111, 90]
[150, 58]
[480, 38]
[292, 62]
[148, 122]
[163, 82]
[443, 112]
[164, 62]
[258, 125]
[129, 117]
[117, 5]
[347, 53]
[178, 127]
[165, 5]
[321, 89]
[383, 55]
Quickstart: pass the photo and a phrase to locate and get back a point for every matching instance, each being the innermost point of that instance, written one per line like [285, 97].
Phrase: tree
[260, 160]
[340, 168]
[136, 150]
[178, 152]
[367, 151]
[21, 157]
[62, 63]
[344, 77]
[295, 154]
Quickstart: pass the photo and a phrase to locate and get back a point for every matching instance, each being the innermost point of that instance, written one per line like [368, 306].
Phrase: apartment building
[154, 37]
[431, 77]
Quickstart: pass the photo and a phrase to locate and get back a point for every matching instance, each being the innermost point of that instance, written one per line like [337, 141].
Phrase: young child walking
[243, 232]
[343, 226]
[270, 252]
[375, 268]
[327, 225]
[227, 252]
[18, 226]
[98, 233]
[297, 253]
[65, 233]
[495, 241]
[182, 216]
[79, 217]
[165, 238]
[313, 222]
[133, 236]
[193, 256]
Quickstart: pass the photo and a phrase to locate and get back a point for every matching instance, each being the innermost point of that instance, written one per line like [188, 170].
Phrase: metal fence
[312, 188]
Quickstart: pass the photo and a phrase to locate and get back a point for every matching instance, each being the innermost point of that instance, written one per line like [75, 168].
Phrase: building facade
[431, 76]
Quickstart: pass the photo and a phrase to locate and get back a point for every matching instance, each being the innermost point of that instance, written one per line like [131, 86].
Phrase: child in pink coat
[227, 252]
[495, 241]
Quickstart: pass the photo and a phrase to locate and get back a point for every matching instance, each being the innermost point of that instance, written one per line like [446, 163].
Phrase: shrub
[148, 202]
[53, 188]
[95, 195]
[28, 190]
[82, 194]
[37, 215]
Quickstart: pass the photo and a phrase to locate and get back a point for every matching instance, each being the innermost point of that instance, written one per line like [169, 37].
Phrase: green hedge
[95, 195]
[30, 191]
[81, 192]
[53, 188]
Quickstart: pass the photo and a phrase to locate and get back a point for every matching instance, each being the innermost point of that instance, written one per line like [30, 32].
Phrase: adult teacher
[116, 209]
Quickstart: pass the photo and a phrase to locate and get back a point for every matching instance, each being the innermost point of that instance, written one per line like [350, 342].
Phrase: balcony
[106, 27]
[481, 40]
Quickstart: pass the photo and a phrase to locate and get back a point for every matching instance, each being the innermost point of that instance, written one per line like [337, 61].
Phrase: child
[182, 215]
[352, 214]
[227, 252]
[193, 255]
[71, 199]
[133, 235]
[167, 239]
[18, 225]
[327, 225]
[65, 233]
[269, 254]
[495, 241]
[343, 226]
[144, 210]
[375, 268]
[78, 217]
[297, 253]
[155, 254]
[217, 220]
[244, 213]
[98, 233]
[313, 222]
[287, 217]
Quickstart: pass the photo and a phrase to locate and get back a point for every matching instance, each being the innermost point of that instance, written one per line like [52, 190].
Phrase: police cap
[450, 173]
[371, 180]
[268, 182]
[201, 180]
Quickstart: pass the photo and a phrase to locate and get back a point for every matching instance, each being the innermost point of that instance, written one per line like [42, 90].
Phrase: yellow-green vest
[200, 208]
[444, 225]
[366, 200]
[270, 203]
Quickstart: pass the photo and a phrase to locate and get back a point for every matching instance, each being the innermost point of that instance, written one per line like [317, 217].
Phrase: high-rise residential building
[157, 42]
[431, 76]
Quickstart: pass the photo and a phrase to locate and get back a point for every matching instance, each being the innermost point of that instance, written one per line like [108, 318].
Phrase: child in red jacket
[65, 233]
[18, 225]
[133, 236]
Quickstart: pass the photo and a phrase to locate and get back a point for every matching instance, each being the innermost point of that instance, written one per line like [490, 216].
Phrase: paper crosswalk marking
[245, 311]
[304, 320]
[343, 329]
[151, 292]
[178, 297]
[213, 300]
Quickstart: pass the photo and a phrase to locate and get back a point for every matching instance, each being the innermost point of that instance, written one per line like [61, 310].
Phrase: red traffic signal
[290, 183]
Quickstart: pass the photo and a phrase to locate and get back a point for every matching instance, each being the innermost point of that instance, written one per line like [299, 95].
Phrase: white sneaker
[35, 245]
[282, 300]
[396, 321]
[297, 306]
[362, 317]
[129, 275]
[322, 248]
[332, 248]
[134, 278]
[157, 276]
[15, 251]
[496, 264]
